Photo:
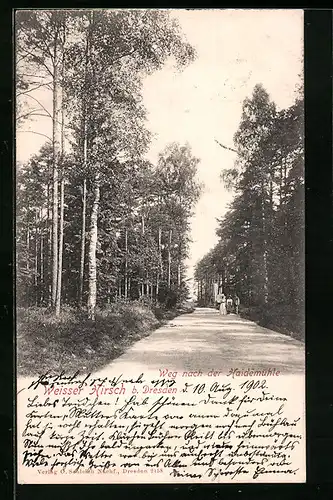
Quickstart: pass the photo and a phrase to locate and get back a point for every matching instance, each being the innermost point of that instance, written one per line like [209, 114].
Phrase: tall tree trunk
[36, 258]
[285, 180]
[159, 263]
[179, 277]
[48, 245]
[41, 263]
[142, 232]
[61, 222]
[264, 240]
[147, 284]
[142, 224]
[83, 239]
[56, 154]
[271, 192]
[126, 263]
[61, 245]
[92, 266]
[85, 158]
[28, 248]
[169, 258]
[281, 182]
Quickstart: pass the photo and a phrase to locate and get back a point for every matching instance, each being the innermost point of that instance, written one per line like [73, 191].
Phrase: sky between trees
[236, 49]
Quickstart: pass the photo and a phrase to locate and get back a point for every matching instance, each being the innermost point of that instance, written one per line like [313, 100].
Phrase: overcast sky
[236, 49]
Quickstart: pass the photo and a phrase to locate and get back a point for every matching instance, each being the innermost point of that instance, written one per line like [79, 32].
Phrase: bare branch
[18, 60]
[32, 76]
[29, 113]
[124, 55]
[35, 88]
[39, 114]
[41, 105]
[32, 132]
[225, 147]
[38, 59]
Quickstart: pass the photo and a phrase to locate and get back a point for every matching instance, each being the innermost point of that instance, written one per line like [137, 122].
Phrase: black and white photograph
[160, 296]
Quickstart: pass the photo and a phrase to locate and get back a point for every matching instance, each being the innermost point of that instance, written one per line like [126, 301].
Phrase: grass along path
[71, 342]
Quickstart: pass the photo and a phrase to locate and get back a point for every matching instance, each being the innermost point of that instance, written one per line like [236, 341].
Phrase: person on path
[223, 310]
[236, 303]
[218, 300]
[229, 304]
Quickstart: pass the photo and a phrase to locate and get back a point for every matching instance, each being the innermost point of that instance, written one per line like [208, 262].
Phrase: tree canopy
[260, 249]
[96, 220]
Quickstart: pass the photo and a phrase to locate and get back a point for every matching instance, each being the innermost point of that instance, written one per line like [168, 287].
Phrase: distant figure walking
[223, 309]
[229, 304]
[236, 303]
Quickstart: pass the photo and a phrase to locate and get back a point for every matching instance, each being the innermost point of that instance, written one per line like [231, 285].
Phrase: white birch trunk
[61, 222]
[169, 258]
[83, 239]
[92, 272]
[84, 186]
[159, 263]
[56, 137]
[61, 246]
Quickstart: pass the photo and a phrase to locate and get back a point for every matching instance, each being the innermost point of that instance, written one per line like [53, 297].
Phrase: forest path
[204, 340]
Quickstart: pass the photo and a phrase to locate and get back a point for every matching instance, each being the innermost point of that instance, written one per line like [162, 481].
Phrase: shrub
[284, 318]
[72, 342]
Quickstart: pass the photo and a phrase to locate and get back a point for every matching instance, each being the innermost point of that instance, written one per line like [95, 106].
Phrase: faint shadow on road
[204, 340]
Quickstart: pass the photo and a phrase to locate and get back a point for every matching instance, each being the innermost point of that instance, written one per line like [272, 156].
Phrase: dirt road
[204, 340]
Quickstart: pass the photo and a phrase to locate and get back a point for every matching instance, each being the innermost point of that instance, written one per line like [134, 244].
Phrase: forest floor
[72, 342]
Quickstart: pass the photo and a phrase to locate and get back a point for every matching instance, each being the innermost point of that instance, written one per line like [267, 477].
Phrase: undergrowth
[283, 318]
[71, 342]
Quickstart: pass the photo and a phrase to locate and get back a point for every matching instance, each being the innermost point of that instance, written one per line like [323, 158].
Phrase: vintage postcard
[160, 246]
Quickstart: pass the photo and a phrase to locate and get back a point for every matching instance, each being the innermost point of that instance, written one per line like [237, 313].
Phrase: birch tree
[40, 40]
[98, 60]
[124, 46]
